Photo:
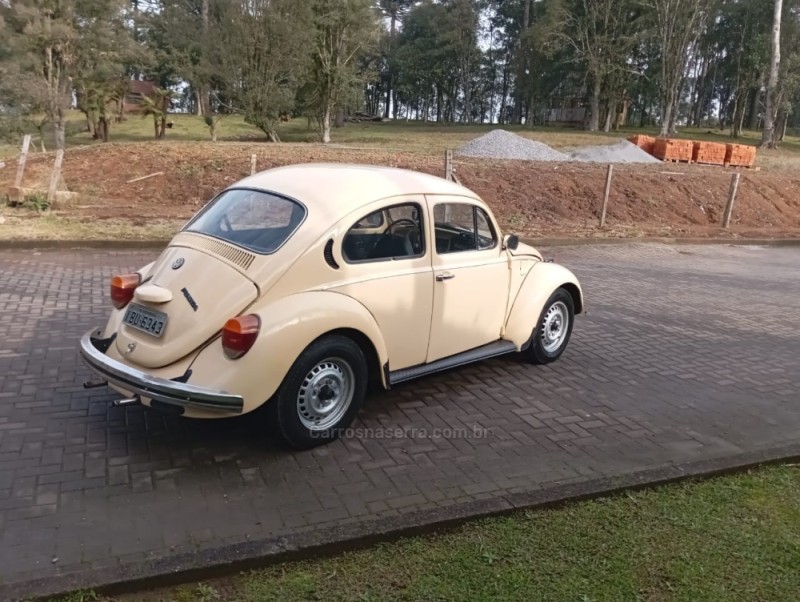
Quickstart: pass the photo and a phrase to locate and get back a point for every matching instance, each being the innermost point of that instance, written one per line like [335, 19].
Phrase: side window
[462, 227]
[392, 233]
[369, 222]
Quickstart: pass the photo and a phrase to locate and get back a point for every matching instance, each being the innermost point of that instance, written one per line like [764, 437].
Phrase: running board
[473, 355]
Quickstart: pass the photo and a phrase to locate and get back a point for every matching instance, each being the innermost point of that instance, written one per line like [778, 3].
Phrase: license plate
[145, 319]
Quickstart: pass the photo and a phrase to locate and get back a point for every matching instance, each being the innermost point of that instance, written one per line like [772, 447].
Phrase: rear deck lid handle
[152, 293]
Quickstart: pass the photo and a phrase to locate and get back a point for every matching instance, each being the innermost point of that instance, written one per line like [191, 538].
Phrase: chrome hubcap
[555, 327]
[325, 394]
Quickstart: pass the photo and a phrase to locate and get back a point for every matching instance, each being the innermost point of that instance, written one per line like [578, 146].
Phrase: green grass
[733, 538]
[401, 135]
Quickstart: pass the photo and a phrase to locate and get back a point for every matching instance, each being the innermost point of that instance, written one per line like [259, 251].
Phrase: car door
[470, 278]
[388, 269]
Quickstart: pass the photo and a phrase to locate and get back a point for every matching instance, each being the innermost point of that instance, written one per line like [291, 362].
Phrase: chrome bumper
[153, 387]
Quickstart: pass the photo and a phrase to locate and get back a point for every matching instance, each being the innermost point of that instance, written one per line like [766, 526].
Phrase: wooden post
[252, 164]
[23, 158]
[606, 195]
[448, 165]
[55, 176]
[726, 217]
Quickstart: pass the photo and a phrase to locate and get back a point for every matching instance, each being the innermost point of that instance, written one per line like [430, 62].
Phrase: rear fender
[540, 283]
[288, 326]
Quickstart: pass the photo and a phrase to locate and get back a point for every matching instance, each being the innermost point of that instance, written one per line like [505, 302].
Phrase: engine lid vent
[233, 254]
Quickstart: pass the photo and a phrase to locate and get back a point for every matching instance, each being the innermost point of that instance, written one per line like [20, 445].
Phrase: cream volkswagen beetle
[299, 287]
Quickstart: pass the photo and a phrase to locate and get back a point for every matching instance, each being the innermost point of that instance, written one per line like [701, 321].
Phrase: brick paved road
[687, 353]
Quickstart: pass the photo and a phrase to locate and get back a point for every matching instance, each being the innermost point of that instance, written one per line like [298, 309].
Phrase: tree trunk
[768, 134]
[326, 124]
[339, 123]
[594, 107]
[752, 117]
[666, 120]
[155, 126]
[522, 62]
[609, 113]
[58, 133]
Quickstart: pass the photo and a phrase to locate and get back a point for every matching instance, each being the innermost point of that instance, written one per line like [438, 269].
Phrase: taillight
[122, 288]
[239, 334]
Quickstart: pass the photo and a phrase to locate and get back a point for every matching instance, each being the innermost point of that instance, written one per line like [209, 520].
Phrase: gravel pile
[500, 144]
[621, 152]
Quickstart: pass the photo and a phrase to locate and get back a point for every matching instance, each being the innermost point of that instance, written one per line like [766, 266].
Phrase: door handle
[444, 276]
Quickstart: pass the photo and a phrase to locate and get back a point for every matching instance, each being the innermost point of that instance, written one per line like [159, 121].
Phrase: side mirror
[511, 241]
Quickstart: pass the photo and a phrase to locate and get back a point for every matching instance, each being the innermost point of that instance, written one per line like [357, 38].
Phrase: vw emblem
[177, 263]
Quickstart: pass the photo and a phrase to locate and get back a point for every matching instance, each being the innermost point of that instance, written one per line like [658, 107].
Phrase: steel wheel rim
[555, 326]
[325, 394]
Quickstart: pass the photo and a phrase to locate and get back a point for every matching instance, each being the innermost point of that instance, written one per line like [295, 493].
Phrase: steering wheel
[403, 221]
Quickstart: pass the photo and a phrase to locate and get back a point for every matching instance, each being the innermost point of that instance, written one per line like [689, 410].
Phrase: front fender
[541, 282]
[288, 326]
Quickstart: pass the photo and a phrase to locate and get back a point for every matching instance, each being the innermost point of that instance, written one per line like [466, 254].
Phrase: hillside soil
[531, 199]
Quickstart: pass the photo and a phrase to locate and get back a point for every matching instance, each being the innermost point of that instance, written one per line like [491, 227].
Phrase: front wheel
[553, 329]
[321, 394]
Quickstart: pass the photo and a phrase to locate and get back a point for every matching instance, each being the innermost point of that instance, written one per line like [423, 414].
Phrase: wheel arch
[540, 283]
[374, 367]
[576, 294]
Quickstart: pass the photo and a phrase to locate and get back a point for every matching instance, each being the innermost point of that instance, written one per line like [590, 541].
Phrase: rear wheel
[321, 394]
[553, 329]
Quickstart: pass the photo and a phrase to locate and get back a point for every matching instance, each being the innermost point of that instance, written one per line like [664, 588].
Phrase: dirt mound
[534, 199]
[500, 144]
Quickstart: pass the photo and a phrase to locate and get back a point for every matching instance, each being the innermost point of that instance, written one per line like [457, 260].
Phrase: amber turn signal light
[239, 334]
[122, 288]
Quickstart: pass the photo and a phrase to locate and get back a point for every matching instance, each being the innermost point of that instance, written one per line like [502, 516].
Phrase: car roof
[340, 188]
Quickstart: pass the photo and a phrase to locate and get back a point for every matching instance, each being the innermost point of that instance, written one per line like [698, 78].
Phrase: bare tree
[679, 24]
[768, 138]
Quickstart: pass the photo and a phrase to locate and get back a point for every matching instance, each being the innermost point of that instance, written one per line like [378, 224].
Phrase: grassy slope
[732, 538]
[414, 136]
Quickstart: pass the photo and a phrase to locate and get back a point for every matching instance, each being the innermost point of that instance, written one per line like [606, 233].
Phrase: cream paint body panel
[470, 308]
[219, 291]
[288, 326]
[400, 300]
[469, 305]
[542, 280]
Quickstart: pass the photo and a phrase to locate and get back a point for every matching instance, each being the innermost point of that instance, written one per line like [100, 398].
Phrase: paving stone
[671, 364]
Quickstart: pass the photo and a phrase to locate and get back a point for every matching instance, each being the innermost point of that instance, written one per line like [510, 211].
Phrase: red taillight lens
[239, 334]
[122, 288]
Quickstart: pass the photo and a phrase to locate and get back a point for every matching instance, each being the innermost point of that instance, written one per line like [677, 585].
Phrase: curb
[83, 244]
[232, 558]
[536, 242]
[570, 242]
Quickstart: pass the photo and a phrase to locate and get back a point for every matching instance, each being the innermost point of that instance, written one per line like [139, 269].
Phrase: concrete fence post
[23, 158]
[55, 176]
[606, 194]
[252, 164]
[726, 216]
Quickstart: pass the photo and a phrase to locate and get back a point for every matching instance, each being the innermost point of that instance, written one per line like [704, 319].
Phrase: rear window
[252, 219]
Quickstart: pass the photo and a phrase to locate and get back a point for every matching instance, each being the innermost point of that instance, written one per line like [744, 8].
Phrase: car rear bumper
[171, 392]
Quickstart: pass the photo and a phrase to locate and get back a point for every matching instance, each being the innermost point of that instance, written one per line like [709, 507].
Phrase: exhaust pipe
[129, 401]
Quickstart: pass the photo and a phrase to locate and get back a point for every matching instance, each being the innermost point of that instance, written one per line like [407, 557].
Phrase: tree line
[729, 64]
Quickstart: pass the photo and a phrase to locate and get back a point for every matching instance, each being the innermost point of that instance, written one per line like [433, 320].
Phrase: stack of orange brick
[710, 153]
[646, 143]
[740, 155]
[671, 149]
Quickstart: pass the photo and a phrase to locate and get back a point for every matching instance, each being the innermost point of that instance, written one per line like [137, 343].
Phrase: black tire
[542, 351]
[333, 353]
